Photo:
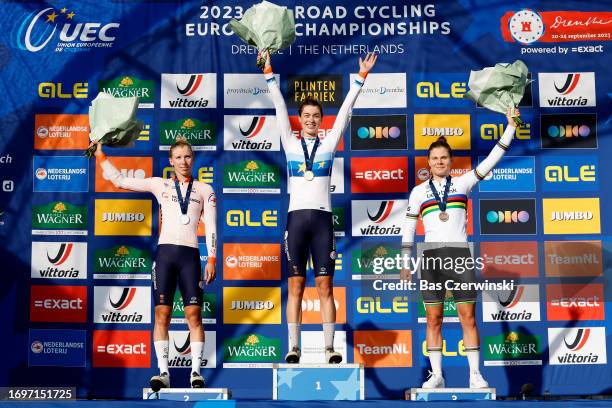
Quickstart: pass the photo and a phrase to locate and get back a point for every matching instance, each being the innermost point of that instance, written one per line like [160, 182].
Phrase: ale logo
[512, 349]
[130, 86]
[201, 135]
[252, 348]
[585, 345]
[59, 218]
[39, 27]
[252, 176]
[53, 90]
[522, 303]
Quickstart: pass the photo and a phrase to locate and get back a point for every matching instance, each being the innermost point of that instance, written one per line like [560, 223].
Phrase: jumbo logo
[123, 217]
[571, 216]
[428, 127]
[253, 305]
[50, 90]
[39, 27]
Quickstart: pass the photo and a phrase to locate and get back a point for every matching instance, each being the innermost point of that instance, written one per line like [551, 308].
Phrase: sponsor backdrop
[77, 252]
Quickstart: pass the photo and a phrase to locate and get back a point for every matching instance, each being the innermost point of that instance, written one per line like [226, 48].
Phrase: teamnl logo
[59, 28]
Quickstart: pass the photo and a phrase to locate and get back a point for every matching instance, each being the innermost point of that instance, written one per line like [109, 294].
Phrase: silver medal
[184, 219]
[309, 175]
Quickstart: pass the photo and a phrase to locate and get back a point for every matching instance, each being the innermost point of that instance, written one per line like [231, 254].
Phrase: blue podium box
[186, 394]
[452, 394]
[304, 382]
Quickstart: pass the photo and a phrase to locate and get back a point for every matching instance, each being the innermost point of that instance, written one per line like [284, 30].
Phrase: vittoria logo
[251, 133]
[62, 260]
[567, 89]
[378, 218]
[39, 27]
[585, 345]
[118, 304]
[179, 353]
[189, 91]
[518, 304]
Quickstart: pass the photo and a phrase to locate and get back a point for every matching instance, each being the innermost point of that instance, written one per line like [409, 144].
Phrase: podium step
[303, 382]
[450, 394]
[186, 394]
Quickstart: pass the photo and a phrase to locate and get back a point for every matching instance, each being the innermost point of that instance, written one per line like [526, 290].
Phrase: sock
[294, 335]
[329, 329]
[435, 359]
[161, 351]
[196, 356]
[473, 356]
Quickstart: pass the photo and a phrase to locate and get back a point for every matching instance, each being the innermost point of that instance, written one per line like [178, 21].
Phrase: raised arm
[409, 230]
[344, 115]
[282, 115]
[473, 177]
[209, 217]
[118, 179]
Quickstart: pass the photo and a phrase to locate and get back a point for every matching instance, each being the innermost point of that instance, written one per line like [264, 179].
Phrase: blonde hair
[180, 142]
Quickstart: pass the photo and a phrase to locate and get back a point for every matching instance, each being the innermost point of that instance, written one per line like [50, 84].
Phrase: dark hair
[310, 101]
[180, 141]
[440, 142]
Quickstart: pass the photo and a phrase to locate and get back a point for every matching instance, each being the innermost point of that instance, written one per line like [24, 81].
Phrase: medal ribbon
[442, 202]
[309, 160]
[184, 204]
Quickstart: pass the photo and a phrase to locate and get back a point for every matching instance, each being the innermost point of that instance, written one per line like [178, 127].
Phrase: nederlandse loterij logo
[62, 30]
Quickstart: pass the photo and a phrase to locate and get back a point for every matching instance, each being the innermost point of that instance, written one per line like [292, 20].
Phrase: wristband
[267, 70]
[212, 260]
[101, 157]
[363, 74]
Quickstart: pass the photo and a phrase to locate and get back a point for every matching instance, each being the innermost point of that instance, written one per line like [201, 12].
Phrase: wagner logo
[509, 259]
[244, 132]
[59, 218]
[311, 305]
[123, 217]
[179, 353]
[383, 348]
[208, 308]
[61, 132]
[378, 218]
[428, 127]
[386, 132]
[58, 304]
[253, 176]
[440, 90]
[380, 174]
[575, 302]
[517, 305]
[129, 87]
[571, 131]
[253, 348]
[118, 304]
[251, 262]
[62, 90]
[512, 349]
[39, 27]
[122, 262]
[573, 258]
[122, 348]
[570, 173]
[382, 91]
[571, 216]
[59, 260]
[508, 217]
[585, 345]
[129, 167]
[252, 305]
[189, 91]
[201, 135]
[326, 89]
[566, 90]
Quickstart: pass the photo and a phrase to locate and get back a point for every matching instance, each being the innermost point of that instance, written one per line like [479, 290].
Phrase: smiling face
[440, 161]
[310, 119]
[182, 160]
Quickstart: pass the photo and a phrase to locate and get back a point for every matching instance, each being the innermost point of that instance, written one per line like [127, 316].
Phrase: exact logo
[122, 348]
[38, 28]
[189, 91]
[379, 175]
[509, 259]
[58, 304]
[575, 302]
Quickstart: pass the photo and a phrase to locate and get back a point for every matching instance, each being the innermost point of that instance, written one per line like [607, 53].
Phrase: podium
[187, 394]
[303, 382]
[450, 394]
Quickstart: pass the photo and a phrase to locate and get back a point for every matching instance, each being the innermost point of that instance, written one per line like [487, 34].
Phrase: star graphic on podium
[302, 168]
[321, 164]
[347, 389]
[286, 377]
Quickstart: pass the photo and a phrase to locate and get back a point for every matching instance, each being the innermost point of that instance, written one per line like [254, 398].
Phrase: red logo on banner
[327, 123]
[509, 259]
[461, 165]
[575, 302]
[379, 174]
[529, 26]
[119, 348]
[58, 304]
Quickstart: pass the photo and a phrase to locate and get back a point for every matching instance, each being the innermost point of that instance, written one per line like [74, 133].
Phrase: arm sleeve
[473, 177]
[410, 222]
[209, 217]
[119, 180]
[282, 115]
[344, 114]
